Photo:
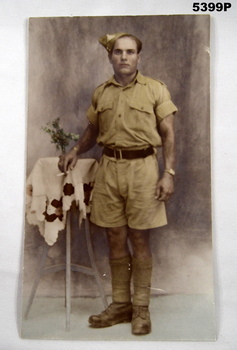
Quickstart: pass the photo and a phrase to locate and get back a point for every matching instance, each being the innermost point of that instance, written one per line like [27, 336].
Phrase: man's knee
[117, 240]
[140, 243]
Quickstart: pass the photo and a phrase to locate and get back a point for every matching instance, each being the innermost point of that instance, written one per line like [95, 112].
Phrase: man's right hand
[87, 141]
[67, 161]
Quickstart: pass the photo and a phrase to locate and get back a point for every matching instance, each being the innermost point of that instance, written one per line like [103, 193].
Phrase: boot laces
[140, 311]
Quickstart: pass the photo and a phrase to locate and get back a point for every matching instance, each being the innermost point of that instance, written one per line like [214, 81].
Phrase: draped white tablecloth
[49, 197]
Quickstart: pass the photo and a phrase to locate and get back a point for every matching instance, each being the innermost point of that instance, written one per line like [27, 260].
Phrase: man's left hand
[165, 187]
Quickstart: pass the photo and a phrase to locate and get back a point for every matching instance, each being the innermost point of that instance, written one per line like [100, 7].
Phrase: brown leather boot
[121, 308]
[114, 314]
[141, 322]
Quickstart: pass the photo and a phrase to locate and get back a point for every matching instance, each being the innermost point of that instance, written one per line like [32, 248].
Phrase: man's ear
[139, 57]
[109, 57]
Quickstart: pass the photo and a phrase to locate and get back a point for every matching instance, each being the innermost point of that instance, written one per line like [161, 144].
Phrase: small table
[50, 197]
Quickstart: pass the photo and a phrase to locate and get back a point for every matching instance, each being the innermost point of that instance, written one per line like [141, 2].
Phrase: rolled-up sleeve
[165, 106]
[92, 115]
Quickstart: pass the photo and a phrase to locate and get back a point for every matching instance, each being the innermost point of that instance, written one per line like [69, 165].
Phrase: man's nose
[124, 55]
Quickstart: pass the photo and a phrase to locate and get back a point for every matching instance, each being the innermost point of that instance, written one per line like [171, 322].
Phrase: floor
[174, 318]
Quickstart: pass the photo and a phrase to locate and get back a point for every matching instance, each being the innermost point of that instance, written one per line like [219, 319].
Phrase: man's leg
[121, 269]
[118, 242]
[142, 269]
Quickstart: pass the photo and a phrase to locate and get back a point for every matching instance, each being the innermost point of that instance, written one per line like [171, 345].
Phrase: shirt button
[142, 107]
[119, 115]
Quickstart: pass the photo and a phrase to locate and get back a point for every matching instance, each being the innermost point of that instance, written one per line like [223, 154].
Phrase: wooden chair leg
[38, 277]
[68, 271]
[69, 267]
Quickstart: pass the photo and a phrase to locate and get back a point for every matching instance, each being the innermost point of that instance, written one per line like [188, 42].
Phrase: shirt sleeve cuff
[164, 109]
[92, 115]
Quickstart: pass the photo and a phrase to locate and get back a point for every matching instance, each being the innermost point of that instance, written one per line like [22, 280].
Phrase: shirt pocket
[105, 115]
[142, 114]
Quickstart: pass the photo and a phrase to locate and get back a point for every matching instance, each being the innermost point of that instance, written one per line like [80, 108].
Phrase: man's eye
[117, 52]
[130, 52]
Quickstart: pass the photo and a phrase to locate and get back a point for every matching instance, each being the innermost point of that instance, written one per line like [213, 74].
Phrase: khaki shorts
[124, 194]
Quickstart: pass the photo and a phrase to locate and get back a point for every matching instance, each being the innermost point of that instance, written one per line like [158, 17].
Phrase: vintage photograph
[118, 217]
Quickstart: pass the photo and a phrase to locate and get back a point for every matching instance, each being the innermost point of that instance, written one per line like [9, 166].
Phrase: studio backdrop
[65, 64]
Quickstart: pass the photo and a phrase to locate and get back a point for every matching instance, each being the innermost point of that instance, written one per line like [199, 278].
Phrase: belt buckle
[118, 154]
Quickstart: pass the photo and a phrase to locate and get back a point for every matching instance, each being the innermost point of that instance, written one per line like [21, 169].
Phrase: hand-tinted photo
[118, 231]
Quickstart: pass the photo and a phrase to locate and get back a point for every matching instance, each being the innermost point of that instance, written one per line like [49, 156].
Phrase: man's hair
[138, 42]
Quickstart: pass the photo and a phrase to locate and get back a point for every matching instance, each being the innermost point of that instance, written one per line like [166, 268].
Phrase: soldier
[130, 116]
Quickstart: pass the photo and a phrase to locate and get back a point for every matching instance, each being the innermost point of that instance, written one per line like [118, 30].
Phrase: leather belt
[133, 154]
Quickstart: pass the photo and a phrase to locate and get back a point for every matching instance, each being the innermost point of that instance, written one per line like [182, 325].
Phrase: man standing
[130, 116]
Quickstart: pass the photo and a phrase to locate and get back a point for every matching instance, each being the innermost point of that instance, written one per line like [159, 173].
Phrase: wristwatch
[170, 171]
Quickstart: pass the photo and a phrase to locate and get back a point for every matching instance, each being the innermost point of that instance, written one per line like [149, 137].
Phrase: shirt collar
[139, 79]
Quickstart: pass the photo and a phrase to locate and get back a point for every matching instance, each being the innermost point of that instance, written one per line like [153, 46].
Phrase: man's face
[124, 57]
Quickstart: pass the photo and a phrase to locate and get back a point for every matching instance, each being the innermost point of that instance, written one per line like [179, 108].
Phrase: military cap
[108, 40]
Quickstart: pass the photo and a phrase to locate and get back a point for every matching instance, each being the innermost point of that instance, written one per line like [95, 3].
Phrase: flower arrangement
[60, 138]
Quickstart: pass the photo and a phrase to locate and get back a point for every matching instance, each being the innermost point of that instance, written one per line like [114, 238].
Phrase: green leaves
[60, 138]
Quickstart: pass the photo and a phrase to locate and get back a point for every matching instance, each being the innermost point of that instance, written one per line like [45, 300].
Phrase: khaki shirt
[128, 116]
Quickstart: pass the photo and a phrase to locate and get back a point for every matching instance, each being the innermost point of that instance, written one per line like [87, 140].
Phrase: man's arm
[86, 142]
[165, 186]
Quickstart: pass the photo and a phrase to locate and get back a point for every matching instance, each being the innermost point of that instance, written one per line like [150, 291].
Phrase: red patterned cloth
[49, 196]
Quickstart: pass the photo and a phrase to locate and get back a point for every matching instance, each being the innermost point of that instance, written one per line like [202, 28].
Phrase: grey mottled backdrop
[66, 63]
